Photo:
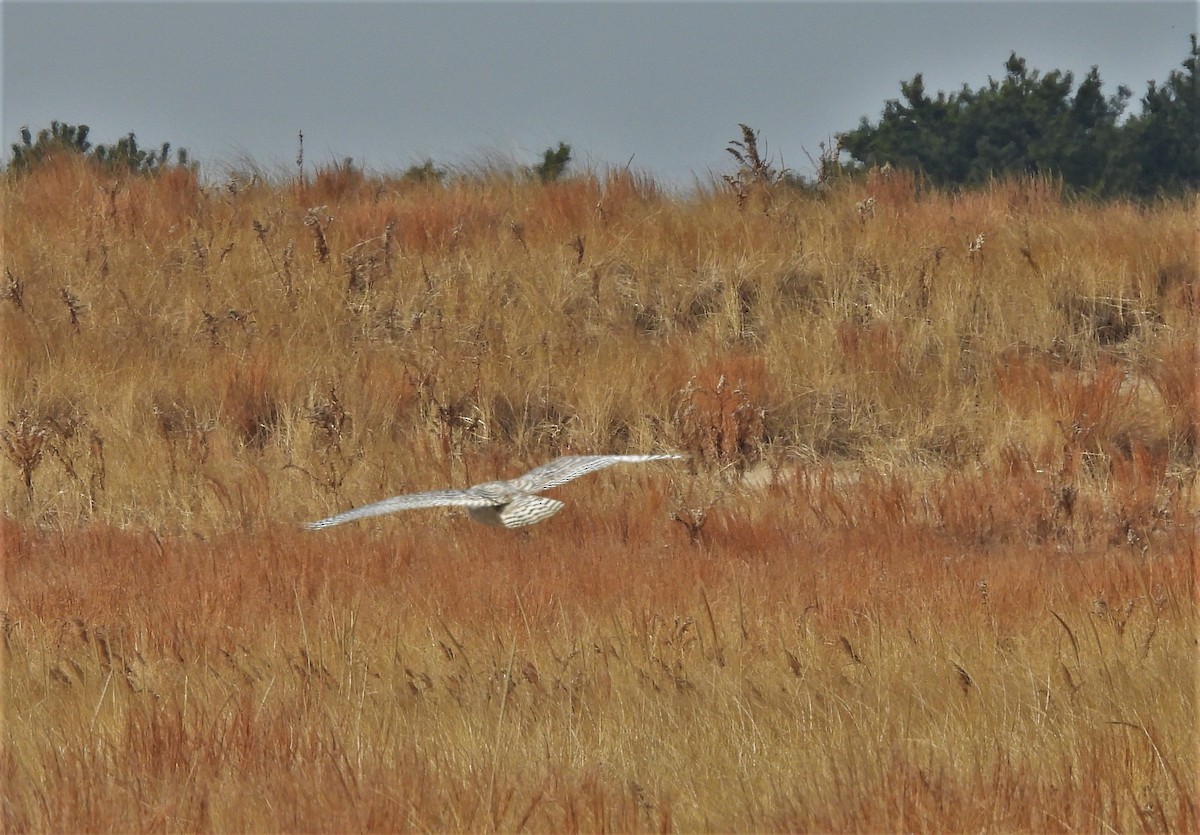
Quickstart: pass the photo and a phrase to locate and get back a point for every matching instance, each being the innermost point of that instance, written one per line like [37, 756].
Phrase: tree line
[1033, 123]
[1025, 123]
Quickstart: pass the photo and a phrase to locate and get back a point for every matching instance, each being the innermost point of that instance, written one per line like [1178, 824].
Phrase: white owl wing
[412, 501]
[569, 467]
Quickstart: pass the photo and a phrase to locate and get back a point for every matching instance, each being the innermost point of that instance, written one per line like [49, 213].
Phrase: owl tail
[521, 511]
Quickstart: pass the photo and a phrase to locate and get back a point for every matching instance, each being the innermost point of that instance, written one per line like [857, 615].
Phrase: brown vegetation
[930, 564]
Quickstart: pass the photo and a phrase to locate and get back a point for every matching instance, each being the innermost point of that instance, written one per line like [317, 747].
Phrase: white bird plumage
[506, 504]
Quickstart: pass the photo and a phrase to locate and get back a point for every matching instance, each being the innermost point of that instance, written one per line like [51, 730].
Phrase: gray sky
[666, 83]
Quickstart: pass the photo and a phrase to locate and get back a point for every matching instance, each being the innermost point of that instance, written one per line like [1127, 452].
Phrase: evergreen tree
[58, 138]
[62, 138]
[1030, 123]
[1160, 148]
[554, 163]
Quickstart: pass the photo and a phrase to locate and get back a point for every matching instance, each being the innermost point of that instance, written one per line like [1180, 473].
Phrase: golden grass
[931, 565]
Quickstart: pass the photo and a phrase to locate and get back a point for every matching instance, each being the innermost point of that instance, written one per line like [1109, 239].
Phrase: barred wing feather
[412, 501]
[570, 467]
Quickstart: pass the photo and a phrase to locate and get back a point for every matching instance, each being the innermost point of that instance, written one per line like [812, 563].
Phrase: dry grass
[931, 565]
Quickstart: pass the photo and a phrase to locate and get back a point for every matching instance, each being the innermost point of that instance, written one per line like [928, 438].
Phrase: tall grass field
[928, 565]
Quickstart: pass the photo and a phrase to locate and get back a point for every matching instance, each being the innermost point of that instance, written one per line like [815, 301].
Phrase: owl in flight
[505, 504]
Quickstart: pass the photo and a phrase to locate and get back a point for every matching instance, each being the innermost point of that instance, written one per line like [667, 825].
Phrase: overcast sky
[665, 83]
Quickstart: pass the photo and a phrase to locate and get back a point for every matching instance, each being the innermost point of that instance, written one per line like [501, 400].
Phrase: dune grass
[930, 564]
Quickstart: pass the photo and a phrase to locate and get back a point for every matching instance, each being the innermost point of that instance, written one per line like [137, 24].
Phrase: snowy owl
[505, 504]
